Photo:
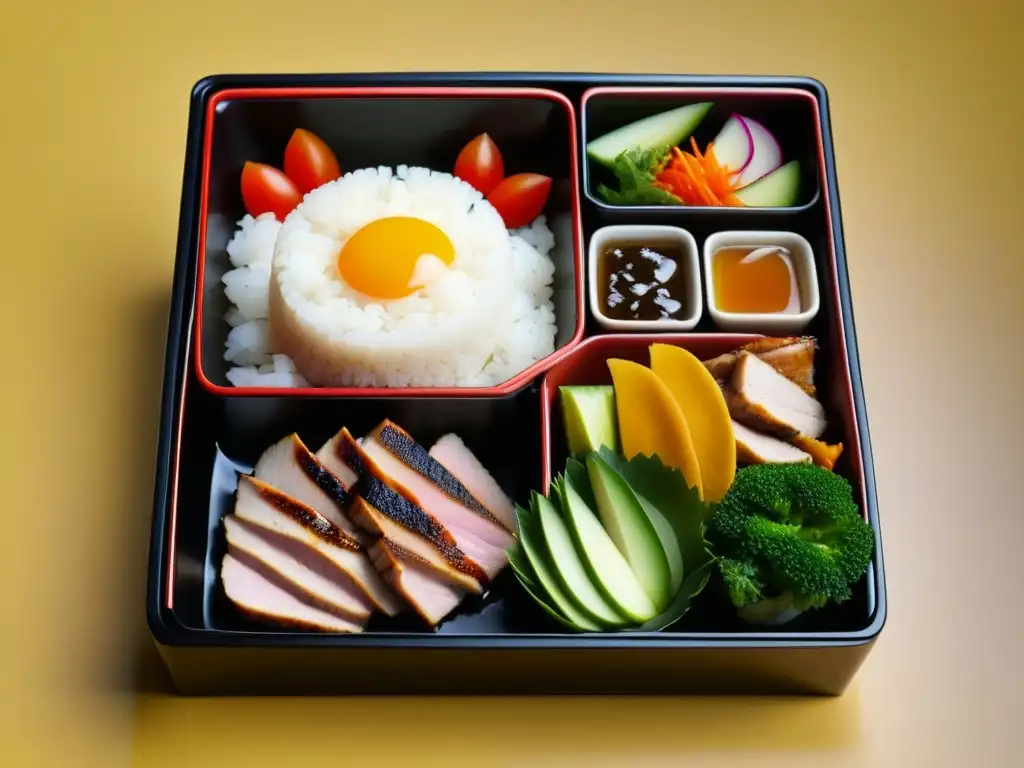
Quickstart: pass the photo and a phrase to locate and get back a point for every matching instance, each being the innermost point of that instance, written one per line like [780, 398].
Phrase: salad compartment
[788, 119]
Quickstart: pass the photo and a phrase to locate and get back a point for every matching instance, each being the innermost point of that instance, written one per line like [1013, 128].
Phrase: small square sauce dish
[644, 278]
[760, 282]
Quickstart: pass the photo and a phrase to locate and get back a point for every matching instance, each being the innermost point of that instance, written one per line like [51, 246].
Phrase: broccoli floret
[742, 580]
[790, 532]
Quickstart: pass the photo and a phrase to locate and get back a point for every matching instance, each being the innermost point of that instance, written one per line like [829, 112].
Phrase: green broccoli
[789, 538]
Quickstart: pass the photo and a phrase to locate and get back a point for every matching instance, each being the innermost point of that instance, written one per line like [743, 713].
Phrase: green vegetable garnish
[789, 538]
[675, 511]
[636, 169]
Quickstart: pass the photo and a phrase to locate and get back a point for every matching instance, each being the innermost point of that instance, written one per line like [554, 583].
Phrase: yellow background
[926, 101]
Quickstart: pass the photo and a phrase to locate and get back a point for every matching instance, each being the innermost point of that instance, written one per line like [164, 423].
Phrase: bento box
[512, 383]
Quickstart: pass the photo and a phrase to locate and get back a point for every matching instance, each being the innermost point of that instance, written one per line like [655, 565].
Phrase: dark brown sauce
[641, 282]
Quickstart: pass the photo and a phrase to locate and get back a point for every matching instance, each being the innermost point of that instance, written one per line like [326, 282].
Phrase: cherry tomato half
[309, 162]
[520, 198]
[264, 188]
[480, 165]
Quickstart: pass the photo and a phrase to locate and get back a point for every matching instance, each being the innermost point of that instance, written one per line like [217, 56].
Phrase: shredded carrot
[698, 179]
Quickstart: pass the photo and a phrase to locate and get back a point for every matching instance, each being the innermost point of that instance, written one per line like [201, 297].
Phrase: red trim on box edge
[174, 473]
[507, 387]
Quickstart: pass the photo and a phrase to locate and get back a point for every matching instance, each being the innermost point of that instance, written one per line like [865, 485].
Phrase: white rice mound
[296, 322]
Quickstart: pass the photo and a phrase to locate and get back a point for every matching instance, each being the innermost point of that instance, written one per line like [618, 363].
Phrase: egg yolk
[391, 258]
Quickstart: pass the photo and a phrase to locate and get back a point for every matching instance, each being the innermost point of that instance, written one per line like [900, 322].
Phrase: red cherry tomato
[520, 198]
[266, 189]
[309, 162]
[479, 164]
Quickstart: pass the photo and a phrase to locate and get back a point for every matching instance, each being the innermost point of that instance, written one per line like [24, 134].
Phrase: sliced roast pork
[266, 507]
[792, 356]
[253, 592]
[420, 479]
[380, 509]
[432, 598]
[290, 467]
[305, 572]
[762, 398]
[329, 456]
[757, 448]
[452, 454]
[441, 493]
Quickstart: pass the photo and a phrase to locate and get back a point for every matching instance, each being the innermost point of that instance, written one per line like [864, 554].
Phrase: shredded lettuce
[636, 169]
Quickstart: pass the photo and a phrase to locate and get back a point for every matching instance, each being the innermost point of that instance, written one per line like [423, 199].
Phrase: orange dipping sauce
[764, 285]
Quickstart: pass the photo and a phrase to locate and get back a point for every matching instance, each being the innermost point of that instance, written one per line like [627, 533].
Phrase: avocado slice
[631, 529]
[520, 565]
[589, 416]
[665, 129]
[667, 536]
[604, 562]
[532, 539]
[569, 566]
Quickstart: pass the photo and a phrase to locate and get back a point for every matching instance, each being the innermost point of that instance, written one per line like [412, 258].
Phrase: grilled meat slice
[444, 559]
[259, 596]
[757, 448]
[289, 466]
[412, 466]
[792, 356]
[431, 597]
[381, 509]
[307, 574]
[330, 457]
[269, 508]
[452, 454]
[483, 539]
[763, 399]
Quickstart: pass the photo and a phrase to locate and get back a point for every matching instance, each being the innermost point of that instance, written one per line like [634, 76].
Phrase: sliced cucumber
[520, 565]
[532, 539]
[605, 564]
[631, 529]
[569, 566]
[665, 129]
[576, 474]
[778, 189]
[589, 416]
[667, 536]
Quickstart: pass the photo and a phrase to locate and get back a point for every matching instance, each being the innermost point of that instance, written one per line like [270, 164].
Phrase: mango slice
[650, 421]
[704, 408]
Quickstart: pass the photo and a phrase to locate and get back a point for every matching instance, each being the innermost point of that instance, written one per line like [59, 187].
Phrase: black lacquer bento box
[213, 430]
